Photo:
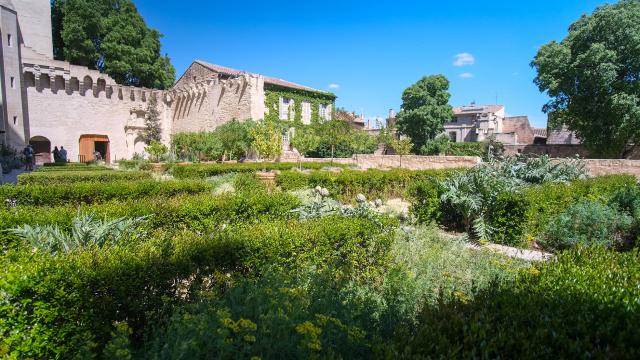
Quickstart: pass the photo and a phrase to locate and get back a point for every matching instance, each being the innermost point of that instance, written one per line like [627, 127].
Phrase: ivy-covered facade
[297, 106]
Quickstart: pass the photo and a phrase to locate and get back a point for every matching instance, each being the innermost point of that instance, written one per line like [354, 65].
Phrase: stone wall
[599, 167]
[62, 118]
[412, 162]
[553, 150]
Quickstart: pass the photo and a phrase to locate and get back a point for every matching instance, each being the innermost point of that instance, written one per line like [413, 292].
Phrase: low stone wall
[412, 162]
[599, 167]
[553, 150]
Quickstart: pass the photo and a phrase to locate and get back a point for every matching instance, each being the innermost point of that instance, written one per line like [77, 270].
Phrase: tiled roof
[477, 109]
[267, 79]
[540, 132]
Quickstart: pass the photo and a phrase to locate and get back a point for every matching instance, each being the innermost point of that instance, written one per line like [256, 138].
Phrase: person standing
[63, 154]
[28, 157]
[56, 154]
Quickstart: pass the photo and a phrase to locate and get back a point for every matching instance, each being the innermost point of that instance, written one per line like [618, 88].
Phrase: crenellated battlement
[86, 82]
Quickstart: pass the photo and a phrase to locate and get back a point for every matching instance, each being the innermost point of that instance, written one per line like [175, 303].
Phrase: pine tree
[153, 132]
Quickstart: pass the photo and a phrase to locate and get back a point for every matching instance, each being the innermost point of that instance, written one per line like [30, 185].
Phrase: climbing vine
[272, 103]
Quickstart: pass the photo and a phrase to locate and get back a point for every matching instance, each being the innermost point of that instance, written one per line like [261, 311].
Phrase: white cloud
[466, 75]
[463, 59]
[334, 86]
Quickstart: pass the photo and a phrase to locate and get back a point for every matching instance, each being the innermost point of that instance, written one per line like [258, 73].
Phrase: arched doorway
[92, 144]
[41, 149]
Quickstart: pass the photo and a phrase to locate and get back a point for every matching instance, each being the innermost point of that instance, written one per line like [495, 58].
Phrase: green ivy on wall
[272, 95]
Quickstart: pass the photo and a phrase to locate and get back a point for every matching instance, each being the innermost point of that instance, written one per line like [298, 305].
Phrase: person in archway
[56, 154]
[63, 154]
[28, 157]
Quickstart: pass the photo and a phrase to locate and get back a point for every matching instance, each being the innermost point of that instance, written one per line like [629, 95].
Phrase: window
[452, 136]
[306, 113]
[284, 108]
[323, 112]
[455, 119]
[13, 82]
[9, 40]
[15, 120]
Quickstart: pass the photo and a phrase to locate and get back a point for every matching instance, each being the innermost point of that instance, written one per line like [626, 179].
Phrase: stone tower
[34, 20]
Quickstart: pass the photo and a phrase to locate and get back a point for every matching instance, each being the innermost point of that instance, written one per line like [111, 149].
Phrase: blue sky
[368, 52]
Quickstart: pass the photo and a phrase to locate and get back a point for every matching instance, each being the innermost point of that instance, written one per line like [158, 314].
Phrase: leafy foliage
[231, 140]
[73, 176]
[425, 109]
[112, 37]
[473, 193]
[153, 130]
[267, 139]
[587, 223]
[86, 231]
[156, 150]
[592, 78]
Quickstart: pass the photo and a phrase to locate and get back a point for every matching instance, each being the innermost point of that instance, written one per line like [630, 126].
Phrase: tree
[333, 133]
[305, 139]
[112, 37]
[425, 108]
[267, 139]
[593, 79]
[156, 149]
[402, 147]
[235, 138]
[153, 131]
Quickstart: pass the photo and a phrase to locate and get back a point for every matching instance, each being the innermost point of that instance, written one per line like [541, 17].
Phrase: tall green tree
[235, 138]
[593, 78]
[425, 108]
[153, 131]
[110, 36]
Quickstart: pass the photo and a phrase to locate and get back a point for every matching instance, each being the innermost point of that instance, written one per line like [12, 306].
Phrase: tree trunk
[333, 147]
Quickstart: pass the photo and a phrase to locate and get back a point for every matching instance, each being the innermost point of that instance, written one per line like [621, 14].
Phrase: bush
[586, 223]
[582, 305]
[68, 177]
[506, 219]
[425, 200]
[372, 183]
[65, 305]
[49, 169]
[194, 212]
[96, 192]
[202, 171]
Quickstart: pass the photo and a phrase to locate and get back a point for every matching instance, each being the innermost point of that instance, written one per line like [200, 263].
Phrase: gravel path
[524, 254]
[12, 177]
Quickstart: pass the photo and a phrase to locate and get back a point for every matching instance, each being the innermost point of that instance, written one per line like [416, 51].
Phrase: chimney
[392, 114]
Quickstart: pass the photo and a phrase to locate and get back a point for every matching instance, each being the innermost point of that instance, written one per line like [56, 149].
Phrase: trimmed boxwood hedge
[185, 171]
[68, 177]
[201, 212]
[372, 183]
[95, 192]
[80, 167]
[66, 306]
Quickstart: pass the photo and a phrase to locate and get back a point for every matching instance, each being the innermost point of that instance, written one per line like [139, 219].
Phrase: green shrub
[96, 192]
[65, 305]
[195, 212]
[68, 177]
[425, 200]
[506, 219]
[184, 171]
[345, 185]
[70, 167]
[582, 305]
[586, 223]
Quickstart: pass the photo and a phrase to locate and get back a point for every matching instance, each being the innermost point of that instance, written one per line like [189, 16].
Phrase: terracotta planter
[268, 179]
[156, 167]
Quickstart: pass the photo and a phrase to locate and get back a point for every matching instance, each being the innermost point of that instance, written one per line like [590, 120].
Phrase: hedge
[195, 212]
[184, 171]
[67, 305]
[95, 192]
[64, 165]
[72, 168]
[525, 213]
[582, 305]
[68, 177]
[372, 183]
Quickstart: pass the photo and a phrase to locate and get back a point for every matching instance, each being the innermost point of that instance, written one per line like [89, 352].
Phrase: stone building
[479, 122]
[49, 103]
